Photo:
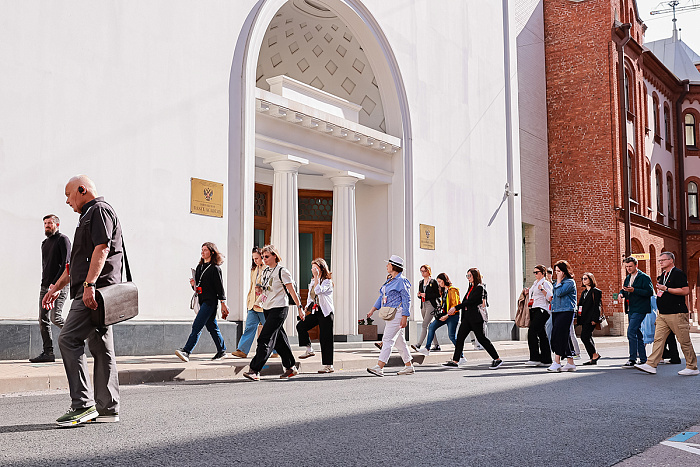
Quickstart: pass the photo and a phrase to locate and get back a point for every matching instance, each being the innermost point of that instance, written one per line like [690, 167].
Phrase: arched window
[667, 125]
[659, 191]
[690, 131]
[693, 200]
[669, 196]
[656, 115]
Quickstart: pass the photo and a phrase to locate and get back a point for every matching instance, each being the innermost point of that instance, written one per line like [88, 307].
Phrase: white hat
[396, 261]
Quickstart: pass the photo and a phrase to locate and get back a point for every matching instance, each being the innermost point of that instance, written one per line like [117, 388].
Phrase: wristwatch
[88, 284]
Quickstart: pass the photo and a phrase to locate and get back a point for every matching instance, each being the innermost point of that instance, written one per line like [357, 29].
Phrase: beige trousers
[678, 323]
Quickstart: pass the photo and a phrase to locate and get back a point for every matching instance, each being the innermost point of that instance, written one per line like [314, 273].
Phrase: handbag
[194, 301]
[601, 319]
[116, 302]
[484, 312]
[387, 313]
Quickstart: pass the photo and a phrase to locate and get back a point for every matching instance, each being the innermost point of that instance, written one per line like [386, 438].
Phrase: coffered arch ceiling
[309, 43]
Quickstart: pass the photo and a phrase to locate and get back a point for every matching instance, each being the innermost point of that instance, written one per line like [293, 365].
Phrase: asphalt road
[512, 416]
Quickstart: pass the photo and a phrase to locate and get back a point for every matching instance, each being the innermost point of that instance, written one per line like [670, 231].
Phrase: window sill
[657, 139]
[630, 116]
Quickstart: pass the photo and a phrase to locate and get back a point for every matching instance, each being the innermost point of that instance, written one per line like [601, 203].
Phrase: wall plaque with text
[427, 236]
[207, 198]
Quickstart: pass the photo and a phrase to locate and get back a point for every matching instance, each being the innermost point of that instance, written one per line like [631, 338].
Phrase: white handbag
[387, 313]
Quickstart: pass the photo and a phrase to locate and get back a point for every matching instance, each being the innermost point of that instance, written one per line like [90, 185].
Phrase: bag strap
[126, 263]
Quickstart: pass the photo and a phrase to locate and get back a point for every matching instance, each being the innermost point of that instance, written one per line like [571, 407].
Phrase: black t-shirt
[55, 254]
[669, 303]
[98, 225]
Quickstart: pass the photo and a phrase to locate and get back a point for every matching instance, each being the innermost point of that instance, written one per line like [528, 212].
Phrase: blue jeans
[251, 327]
[205, 317]
[451, 322]
[635, 337]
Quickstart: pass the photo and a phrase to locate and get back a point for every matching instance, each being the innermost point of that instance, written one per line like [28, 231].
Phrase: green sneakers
[75, 417]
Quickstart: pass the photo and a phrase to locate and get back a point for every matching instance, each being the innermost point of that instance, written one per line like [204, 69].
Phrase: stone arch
[242, 84]
[638, 248]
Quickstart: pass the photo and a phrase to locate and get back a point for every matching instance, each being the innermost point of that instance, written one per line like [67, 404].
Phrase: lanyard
[267, 276]
[383, 289]
[201, 276]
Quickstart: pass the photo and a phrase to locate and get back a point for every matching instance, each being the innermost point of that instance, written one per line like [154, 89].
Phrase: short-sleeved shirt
[273, 289]
[98, 225]
[669, 303]
[55, 254]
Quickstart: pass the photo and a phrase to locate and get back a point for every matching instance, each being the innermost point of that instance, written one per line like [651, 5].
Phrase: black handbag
[116, 302]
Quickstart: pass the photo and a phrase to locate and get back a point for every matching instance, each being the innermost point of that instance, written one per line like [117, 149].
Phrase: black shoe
[436, 348]
[219, 355]
[674, 362]
[450, 363]
[629, 364]
[49, 357]
[495, 364]
[415, 348]
[378, 345]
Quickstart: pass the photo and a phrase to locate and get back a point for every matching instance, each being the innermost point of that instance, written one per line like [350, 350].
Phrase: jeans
[451, 322]
[537, 340]
[205, 317]
[251, 327]
[46, 317]
[635, 337]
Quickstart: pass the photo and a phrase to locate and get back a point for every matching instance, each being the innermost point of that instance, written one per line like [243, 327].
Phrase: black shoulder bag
[116, 302]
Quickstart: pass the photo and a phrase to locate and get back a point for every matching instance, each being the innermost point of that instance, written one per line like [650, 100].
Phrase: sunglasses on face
[267, 256]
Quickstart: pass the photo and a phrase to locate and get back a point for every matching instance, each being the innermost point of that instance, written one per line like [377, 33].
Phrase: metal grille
[316, 209]
[260, 204]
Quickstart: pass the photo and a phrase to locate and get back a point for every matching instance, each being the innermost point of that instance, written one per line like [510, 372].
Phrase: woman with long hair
[319, 303]
[255, 312]
[450, 298]
[429, 296]
[472, 321]
[276, 283]
[590, 309]
[208, 283]
[539, 295]
[563, 306]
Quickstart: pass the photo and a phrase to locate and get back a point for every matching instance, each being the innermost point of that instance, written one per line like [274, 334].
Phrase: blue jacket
[564, 296]
[638, 301]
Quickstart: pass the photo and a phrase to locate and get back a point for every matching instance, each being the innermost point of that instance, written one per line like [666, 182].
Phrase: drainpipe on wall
[510, 191]
[625, 28]
[683, 217]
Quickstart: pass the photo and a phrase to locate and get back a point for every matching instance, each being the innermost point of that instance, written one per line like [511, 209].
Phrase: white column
[285, 218]
[344, 252]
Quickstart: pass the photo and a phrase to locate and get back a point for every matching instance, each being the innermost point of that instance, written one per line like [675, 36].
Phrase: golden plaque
[640, 256]
[427, 236]
[207, 198]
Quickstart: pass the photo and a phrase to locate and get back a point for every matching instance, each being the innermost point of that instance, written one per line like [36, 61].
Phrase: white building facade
[337, 127]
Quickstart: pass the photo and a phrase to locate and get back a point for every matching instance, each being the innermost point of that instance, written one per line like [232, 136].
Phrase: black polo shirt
[669, 303]
[98, 225]
[55, 254]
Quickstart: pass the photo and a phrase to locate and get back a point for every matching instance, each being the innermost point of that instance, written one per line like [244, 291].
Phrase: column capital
[285, 162]
[346, 178]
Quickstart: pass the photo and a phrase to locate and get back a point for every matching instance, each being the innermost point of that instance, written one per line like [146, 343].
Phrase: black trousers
[273, 337]
[671, 348]
[472, 322]
[537, 339]
[325, 328]
[561, 326]
[587, 338]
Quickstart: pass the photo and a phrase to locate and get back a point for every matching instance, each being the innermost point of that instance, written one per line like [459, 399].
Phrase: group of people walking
[553, 308]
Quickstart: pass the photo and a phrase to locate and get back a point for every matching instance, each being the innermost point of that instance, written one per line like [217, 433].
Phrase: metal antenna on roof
[674, 4]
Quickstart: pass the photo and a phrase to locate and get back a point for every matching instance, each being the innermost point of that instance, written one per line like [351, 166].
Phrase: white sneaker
[307, 353]
[424, 351]
[646, 368]
[462, 361]
[376, 370]
[184, 356]
[555, 367]
[407, 370]
[532, 363]
[568, 367]
[327, 369]
[689, 372]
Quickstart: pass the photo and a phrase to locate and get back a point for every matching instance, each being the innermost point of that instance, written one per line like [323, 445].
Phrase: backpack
[296, 289]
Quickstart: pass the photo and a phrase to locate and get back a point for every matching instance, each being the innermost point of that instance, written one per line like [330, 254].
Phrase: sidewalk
[22, 376]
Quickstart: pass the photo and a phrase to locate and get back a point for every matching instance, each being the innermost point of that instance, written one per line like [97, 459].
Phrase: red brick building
[624, 164]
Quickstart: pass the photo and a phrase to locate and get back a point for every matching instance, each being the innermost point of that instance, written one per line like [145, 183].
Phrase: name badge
[659, 293]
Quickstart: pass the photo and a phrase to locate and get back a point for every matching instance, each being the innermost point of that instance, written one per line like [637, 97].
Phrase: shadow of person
[28, 428]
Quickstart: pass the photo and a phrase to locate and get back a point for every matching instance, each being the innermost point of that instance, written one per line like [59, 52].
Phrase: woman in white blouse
[319, 304]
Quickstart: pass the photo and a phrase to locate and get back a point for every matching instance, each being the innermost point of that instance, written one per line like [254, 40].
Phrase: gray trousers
[427, 318]
[77, 328]
[46, 317]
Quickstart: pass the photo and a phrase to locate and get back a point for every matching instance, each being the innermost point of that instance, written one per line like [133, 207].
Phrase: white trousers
[394, 335]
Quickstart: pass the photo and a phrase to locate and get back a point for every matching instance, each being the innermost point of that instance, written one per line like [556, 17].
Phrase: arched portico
[243, 150]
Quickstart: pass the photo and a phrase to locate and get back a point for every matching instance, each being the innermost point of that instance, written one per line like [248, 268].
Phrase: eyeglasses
[267, 256]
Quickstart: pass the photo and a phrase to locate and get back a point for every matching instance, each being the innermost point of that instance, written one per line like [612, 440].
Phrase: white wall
[134, 94]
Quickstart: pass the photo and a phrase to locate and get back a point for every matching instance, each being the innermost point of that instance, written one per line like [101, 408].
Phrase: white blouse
[324, 296]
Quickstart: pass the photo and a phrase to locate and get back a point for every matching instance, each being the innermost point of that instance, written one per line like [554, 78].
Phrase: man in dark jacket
[637, 291]
[55, 254]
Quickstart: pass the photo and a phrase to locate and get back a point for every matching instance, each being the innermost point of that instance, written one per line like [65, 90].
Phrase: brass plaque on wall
[427, 236]
[207, 198]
